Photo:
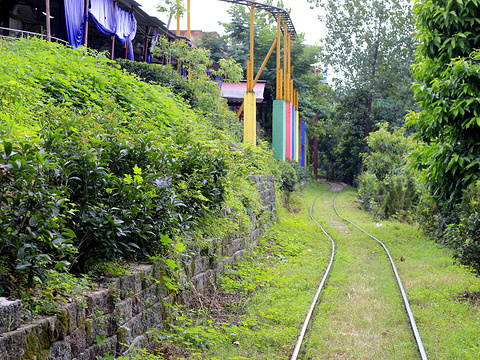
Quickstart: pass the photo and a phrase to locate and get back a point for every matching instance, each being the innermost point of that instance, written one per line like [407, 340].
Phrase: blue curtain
[130, 55]
[102, 13]
[75, 19]
[152, 46]
[126, 25]
[106, 18]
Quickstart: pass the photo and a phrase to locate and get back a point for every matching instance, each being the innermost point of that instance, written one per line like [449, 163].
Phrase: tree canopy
[369, 48]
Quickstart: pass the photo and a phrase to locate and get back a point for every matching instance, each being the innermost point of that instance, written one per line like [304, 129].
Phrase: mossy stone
[32, 350]
[46, 337]
[81, 322]
[30, 347]
[121, 334]
[62, 324]
[88, 328]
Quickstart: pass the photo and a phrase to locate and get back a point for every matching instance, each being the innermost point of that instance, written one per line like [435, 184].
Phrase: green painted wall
[279, 130]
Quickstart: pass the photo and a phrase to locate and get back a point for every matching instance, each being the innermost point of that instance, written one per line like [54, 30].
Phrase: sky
[205, 15]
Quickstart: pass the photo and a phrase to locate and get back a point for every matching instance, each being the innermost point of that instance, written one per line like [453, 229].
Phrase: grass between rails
[447, 325]
[360, 314]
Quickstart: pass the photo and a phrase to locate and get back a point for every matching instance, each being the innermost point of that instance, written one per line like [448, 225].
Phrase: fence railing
[8, 33]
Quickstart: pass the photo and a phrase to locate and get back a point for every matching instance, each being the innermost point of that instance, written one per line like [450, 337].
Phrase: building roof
[235, 92]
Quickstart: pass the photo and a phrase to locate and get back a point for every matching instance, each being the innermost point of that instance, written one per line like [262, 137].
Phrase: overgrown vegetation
[255, 311]
[99, 165]
[368, 48]
[448, 127]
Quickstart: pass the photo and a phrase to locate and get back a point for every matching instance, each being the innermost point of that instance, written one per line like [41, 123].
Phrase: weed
[101, 339]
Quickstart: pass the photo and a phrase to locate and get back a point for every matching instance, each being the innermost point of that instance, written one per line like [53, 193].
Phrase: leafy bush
[447, 87]
[288, 176]
[388, 187]
[464, 235]
[203, 78]
[33, 212]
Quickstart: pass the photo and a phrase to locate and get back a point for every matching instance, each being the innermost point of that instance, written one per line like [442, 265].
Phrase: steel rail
[324, 279]
[402, 290]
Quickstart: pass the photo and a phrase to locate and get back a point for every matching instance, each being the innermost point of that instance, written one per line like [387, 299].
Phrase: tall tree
[369, 48]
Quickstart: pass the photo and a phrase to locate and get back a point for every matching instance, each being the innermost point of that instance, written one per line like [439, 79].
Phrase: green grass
[360, 314]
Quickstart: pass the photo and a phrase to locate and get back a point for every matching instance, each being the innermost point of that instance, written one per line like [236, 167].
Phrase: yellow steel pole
[265, 62]
[291, 90]
[250, 101]
[239, 112]
[279, 69]
[289, 72]
[178, 23]
[189, 33]
[252, 33]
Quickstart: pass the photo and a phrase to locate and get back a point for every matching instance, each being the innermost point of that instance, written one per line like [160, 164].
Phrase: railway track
[338, 188]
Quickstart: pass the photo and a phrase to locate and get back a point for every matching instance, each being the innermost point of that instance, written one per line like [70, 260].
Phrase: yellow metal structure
[297, 128]
[250, 122]
[284, 82]
[250, 99]
[250, 69]
[189, 31]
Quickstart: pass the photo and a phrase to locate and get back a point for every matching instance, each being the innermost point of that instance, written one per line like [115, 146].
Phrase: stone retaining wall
[128, 313]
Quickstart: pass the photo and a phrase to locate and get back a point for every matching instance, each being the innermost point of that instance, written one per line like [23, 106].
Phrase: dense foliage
[161, 75]
[447, 87]
[96, 164]
[447, 73]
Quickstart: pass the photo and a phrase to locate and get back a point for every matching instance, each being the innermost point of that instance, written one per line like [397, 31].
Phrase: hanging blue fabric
[102, 13]
[75, 19]
[152, 45]
[126, 25]
[130, 55]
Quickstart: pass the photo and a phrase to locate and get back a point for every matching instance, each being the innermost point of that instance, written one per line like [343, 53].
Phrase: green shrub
[163, 75]
[388, 187]
[34, 213]
[463, 235]
[288, 176]
[98, 165]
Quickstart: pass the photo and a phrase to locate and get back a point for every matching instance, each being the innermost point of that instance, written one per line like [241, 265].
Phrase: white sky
[205, 15]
